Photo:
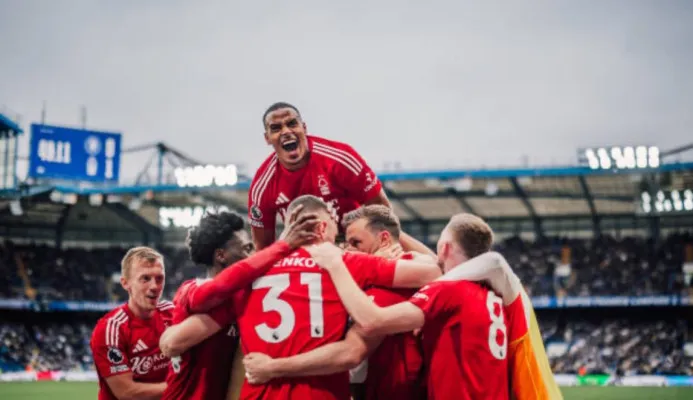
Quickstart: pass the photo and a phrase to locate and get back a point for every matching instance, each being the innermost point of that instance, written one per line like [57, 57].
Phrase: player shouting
[305, 164]
[294, 308]
[125, 342]
[464, 329]
[220, 240]
[393, 369]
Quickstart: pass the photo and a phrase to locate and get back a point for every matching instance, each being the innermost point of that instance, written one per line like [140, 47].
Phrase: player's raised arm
[402, 317]
[493, 268]
[178, 338]
[299, 231]
[325, 360]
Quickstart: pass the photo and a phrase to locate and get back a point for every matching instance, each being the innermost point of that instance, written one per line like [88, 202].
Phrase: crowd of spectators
[618, 347]
[45, 347]
[601, 266]
[615, 346]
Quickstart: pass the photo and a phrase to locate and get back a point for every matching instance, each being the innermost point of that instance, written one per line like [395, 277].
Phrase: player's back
[295, 308]
[202, 372]
[465, 342]
[393, 370]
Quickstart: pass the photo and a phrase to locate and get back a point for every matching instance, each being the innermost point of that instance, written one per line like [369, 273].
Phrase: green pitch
[88, 390]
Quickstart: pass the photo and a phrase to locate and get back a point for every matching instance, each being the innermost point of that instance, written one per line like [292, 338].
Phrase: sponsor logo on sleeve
[255, 212]
[119, 368]
[115, 356]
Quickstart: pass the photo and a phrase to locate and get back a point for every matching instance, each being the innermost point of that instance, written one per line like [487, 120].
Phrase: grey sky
[431, 84]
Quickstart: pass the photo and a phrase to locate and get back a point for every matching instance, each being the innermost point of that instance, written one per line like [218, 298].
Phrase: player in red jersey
[125, 342]
[295, 308]
[393, 369]
[464, 330]
[306, 164]
[220, 240]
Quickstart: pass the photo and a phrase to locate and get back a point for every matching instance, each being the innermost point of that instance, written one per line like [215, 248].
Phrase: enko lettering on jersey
[296, 262]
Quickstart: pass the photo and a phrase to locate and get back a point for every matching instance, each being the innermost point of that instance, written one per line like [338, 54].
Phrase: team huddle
[342, 305]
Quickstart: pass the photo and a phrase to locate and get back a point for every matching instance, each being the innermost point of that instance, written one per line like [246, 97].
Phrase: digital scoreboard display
[74, 154]
[666, 201]
[620, 157]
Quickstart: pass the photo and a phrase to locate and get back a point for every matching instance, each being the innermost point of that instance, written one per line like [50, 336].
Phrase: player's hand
[300, 231]
[392, 253]
[258, 368]
[326, 255]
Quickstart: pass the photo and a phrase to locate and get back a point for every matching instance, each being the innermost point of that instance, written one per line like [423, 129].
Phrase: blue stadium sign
[74, 154]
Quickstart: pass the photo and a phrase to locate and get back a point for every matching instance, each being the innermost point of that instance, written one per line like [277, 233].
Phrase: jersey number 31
[277, 284]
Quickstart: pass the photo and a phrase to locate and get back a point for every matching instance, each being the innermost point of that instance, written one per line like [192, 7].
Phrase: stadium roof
[538, 200]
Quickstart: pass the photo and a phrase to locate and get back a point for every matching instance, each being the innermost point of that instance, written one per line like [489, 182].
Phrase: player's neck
[297, 166]
[214, 271]
[139, 312]
[453, 262]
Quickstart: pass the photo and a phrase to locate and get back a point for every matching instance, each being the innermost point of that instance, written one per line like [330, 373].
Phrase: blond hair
[136, 254]
[379, 218]
[471, 233]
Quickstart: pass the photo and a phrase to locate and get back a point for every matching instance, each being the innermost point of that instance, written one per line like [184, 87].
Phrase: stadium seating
[602, 266]
[619, 344]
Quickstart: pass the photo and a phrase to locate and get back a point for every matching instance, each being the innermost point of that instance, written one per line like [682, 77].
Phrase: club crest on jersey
[323, 185]
[115, 356]
[255, 212]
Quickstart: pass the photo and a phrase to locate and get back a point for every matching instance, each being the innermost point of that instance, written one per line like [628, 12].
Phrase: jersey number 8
[277, 284]
[493, 303]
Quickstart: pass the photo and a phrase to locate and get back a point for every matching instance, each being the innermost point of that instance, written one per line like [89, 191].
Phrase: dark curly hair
[213, 231]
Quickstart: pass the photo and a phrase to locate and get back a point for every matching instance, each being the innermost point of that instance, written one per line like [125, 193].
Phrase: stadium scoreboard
[666, 201]
[201, 176]
[620, 157]
[74, 154]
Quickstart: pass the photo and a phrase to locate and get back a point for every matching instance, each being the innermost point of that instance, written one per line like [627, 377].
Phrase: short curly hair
[213, 231]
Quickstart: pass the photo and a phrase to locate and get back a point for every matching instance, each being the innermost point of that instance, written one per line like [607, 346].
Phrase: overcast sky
[429, 83]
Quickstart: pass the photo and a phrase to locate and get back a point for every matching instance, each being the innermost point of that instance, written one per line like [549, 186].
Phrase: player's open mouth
[152, 296]
[290, 145]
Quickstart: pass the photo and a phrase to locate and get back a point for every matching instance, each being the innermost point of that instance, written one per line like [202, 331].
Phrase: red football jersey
[393, 371]
[335, 172]
[295, 308]
[122, 342]
[465, 341]
[203, 371]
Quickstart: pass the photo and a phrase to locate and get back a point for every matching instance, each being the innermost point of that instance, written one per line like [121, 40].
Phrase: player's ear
[124, 283]
[385, 239]
[267, 138]
[321, 229]
[220, 256]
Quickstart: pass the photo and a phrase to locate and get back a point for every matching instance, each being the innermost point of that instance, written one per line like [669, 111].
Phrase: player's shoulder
[266, 171]
[164, 305]
[339, 154]
[330, 144]
[261, 187]
[110, 323]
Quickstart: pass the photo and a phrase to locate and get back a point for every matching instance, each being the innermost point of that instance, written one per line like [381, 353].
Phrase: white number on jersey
[277, 284]
[499, 351]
